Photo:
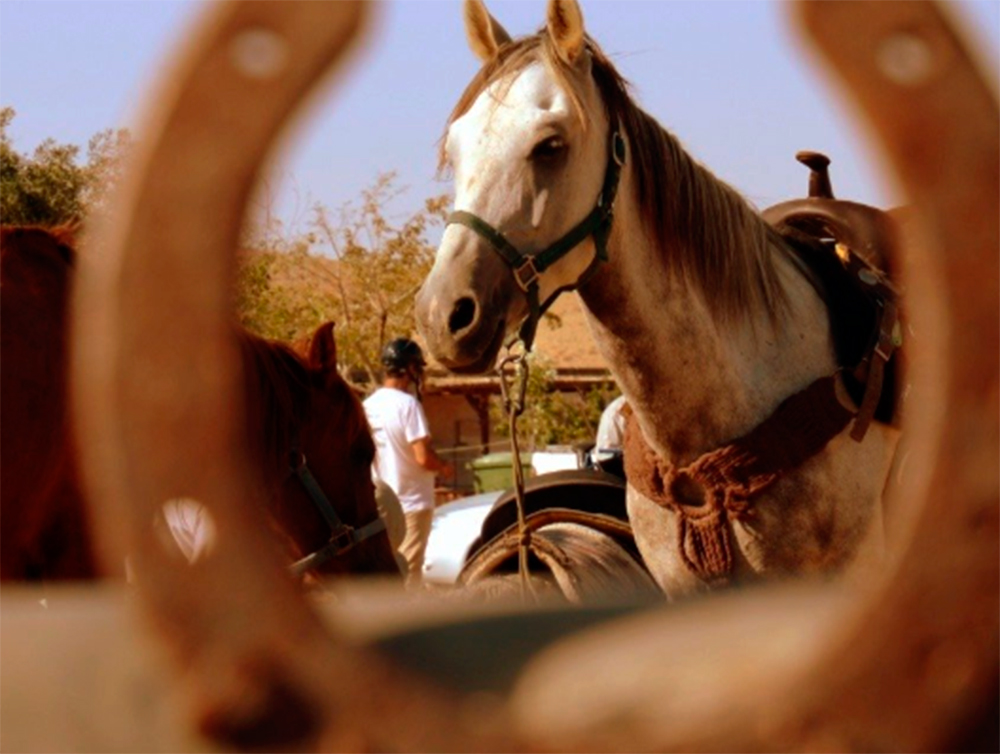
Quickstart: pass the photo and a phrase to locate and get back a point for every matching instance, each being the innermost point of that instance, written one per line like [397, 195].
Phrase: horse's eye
[549, 148]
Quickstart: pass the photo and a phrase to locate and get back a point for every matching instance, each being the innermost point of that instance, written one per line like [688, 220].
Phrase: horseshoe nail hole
[191, 528]
[462, 315]
[259, 53]
[905, 58]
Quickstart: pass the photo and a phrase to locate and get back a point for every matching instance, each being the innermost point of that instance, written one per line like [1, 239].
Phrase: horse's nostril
[463, 315]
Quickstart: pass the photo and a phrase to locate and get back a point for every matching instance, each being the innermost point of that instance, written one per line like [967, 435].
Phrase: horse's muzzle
[462, 333]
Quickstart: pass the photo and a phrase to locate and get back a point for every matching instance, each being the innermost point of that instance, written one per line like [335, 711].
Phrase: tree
[365, 280]
[552, 417]
[379, 268]
[49, 187]
[274, 297]
[107, 152]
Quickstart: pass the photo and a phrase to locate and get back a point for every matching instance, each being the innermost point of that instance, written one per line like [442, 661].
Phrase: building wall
[456, 435]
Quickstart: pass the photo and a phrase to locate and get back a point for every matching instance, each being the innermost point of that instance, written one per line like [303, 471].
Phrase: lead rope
[513, 373]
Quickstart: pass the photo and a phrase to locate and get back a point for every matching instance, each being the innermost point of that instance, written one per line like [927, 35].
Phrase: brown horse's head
[293, 404]
[303, 409]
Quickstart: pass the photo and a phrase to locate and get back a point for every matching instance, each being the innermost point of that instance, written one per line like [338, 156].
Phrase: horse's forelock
[512, 58]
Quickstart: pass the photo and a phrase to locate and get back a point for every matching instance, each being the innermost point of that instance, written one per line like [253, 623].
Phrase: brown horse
[305, 425]
[309, 429]
[43, 526]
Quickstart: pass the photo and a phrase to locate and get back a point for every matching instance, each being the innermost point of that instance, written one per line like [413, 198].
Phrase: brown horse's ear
[69, 232]
[323, 349]
[484, 33]
[564, 21]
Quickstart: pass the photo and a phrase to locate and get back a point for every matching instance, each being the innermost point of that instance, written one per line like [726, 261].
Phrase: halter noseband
[527, 268]
[342, 536]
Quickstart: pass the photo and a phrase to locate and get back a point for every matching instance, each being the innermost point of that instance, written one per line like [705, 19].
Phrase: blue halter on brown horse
[750, 456]
[305, 426]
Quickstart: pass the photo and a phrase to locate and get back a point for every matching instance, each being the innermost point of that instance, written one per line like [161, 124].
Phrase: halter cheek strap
[343, 537]
[527, 268]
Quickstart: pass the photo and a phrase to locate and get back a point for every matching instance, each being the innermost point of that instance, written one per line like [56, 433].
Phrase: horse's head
[317, 425]
[528, 144]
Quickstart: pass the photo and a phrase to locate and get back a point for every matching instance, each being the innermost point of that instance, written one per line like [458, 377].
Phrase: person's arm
[426, 457]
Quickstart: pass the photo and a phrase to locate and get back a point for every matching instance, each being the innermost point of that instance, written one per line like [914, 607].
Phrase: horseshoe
[903, 662]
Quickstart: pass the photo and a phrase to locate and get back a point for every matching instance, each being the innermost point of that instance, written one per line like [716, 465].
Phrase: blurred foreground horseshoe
[902, 664]
[158, 392]
[156, 370]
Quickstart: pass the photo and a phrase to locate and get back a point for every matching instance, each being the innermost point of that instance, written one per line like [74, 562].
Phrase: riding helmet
[401, 354]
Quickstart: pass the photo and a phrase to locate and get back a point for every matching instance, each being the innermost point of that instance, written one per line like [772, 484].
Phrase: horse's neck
[694, 383]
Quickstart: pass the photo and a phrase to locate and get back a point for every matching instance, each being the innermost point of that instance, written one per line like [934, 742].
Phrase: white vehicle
[457, 524]
[455, 527]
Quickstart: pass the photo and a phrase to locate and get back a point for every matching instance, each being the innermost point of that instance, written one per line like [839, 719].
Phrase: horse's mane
[280, 381]
[278, 393]
[716, 240]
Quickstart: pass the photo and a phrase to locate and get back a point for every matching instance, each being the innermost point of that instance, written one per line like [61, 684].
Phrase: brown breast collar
[842, 248]
[720, 485]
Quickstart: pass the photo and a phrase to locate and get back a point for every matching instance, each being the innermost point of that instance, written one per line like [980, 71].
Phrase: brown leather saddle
[846, 249]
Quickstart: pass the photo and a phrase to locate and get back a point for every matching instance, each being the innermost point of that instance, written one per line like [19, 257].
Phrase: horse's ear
[69, 232]
[564, 21]
[484, 33]
[323, 349]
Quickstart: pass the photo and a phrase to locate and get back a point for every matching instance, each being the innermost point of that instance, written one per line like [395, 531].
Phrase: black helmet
[401, 354]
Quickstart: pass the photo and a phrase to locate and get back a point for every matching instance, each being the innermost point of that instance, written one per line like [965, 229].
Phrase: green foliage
[379, 268]
[551, 417]
[365, 280]
[266, 307]
[50, 187]
[107, 152]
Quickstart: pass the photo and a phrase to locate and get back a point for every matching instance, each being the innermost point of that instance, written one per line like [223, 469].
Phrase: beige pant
[418, 531]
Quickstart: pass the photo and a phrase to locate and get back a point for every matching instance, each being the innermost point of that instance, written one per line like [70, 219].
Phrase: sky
[728, 77]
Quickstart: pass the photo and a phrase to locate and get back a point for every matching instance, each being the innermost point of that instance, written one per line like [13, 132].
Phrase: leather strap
[527, 268]
[343, 537]
[720, 485]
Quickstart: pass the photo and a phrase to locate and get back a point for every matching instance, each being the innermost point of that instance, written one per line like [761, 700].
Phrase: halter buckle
[342, 539]
[526, 274]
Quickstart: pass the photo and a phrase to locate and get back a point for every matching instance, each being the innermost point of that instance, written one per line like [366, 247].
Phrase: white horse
[703, 313]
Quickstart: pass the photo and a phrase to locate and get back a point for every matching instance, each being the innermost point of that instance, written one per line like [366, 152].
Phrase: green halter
[528, 268]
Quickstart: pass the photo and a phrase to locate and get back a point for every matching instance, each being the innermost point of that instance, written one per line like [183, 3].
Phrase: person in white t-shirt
[607, 452]
[611, 428]
[405, 459]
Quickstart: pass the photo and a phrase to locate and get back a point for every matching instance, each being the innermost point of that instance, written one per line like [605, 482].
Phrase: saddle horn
[819, 177]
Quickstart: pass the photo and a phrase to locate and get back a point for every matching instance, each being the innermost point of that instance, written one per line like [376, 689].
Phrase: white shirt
[611, 429]
[397, 420]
